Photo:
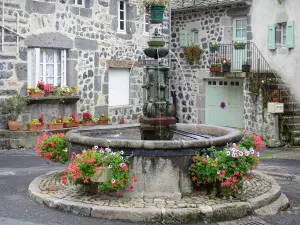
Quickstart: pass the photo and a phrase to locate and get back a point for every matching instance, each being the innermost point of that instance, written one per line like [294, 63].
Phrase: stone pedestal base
[160, 177]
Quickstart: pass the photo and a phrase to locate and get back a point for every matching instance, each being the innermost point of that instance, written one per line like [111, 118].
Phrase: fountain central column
[158, 111]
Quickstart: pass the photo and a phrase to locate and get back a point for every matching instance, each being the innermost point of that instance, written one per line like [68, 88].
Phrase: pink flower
[124, 166]
[118, 193]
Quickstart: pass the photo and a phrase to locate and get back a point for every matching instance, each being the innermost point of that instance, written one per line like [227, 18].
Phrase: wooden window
[121, 16]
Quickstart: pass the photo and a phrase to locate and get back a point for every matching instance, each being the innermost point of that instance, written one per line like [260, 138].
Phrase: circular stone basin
[161, 166]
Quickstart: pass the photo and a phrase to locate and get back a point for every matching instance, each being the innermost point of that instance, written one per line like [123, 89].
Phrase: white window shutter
[63, 65]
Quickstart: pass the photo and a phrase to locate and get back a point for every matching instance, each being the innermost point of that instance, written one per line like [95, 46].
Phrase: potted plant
[14, 106]
[157, 9]
[68, 91]
[95, 120]
[239, 45]
[71, 121]
[100, 170]
[34, 125]
[48, 89]
[214, 47]
[104, 119]
[87, 119]
[56, 124]
[226, 64]
[193, 53]
[35, 92]
[246, 66]
[215, 68]
[276, 96]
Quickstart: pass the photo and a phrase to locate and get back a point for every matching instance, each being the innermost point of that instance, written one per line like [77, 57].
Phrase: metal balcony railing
[239, 55]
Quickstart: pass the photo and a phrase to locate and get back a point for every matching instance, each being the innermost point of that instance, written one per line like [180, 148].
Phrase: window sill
[121, 32]
[54, 100]
[120, 106]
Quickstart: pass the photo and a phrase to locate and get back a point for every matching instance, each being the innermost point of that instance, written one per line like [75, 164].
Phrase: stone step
[280, 204]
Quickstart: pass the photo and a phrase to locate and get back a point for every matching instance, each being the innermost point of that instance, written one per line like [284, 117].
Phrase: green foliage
[53, 147]
[215, 65]
[193, 53]
[15, 105]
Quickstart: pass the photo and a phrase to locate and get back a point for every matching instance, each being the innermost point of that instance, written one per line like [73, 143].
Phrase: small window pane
[41, 57]
[122, 15]
[225, 82]
[220, 82]
[121, 25]
[232, 83]
[284, 29]
[58, 70]
[237, 83]
[214, 83]
[49, 57]
[238, 24]
[79, 2]
[121, 5]
[244, 33]
[50, 71]
[196, 37]
[58, 81]
[209, 82]
[50, 80]
[41, 70]
[244, 24]
[238, 33]
[284, 40]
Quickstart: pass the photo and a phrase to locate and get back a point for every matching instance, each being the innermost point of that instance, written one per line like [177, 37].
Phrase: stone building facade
[88, 31]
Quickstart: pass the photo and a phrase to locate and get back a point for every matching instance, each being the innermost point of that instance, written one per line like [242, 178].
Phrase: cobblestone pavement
[51, 186]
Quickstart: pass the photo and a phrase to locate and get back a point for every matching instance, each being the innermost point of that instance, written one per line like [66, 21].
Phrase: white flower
[122, 157]
[95, 147]
[234, 155]
[84, 151]
[113, 181]
[216, 159]
[234, 145]
[102, 151]
[122, 152]
[218, 172]
[112, 153]
[227, 144]
[207, 156]
[257, 154]
[247, 153]
[240, 153]
[228, 153]
[249, 171]
[230, 198]
[107, 149]
[252, 151]
[66, 150]
[110, 166]
[239, 192]
[224, 61]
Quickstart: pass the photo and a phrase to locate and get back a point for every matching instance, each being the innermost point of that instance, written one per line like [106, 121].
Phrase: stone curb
[220, 212]
[290, 177]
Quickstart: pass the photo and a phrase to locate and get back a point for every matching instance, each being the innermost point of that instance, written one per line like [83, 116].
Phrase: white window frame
[79, 5]
[119, 16]
[146, 15]
[241, 29]
[192, 33]
[33, 71]
[282, 33]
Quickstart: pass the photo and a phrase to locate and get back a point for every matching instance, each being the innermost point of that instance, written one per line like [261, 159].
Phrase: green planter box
[157, 13]
[214, 48]
[240, 46]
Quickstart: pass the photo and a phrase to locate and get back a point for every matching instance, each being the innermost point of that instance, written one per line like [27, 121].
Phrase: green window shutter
[271, 36]
[183, 39]
[290, 34]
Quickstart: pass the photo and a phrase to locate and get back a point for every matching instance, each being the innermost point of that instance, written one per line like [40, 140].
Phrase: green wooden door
[239, 35]
[224, 103]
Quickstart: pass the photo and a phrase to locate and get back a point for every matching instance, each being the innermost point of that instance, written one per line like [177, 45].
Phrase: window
[47, 65]
[146, 20]
[121, 16]
[118, 87]
[78, 2]
[194, 36]
[283, 34]
[241, 28]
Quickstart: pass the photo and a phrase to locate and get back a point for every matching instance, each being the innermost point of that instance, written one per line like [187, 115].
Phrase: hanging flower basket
[73, 124]
[214, 48]
[240, 46]
[33, 127]
[157, 13]
[56, 126]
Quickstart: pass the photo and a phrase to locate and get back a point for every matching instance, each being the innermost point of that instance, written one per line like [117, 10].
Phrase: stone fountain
[158, 110]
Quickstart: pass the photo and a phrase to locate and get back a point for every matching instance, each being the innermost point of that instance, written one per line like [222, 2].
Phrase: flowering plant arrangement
[48, 89]
[228, 169]
[86, 166]
[215, 65]
[34, 90]
[87, 116]
[104, 117]
[72, 118]
[40, 85]
[59, 120]
[34, 121]
[225, 61]
[95, 119]
[53, 147]
[214, 44]
[67, 91]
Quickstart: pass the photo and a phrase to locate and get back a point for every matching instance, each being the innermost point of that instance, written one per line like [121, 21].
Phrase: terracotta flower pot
[102, 122]
[215, 69]
[55, 126]
[277, 99]
[73, 124]
[14, 125]
[32, 127]
[87, 123]
[37, 95]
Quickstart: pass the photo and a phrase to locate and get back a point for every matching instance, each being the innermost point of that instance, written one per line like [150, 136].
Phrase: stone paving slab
[259, 192]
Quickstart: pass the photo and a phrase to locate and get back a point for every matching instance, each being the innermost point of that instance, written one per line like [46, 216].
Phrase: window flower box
[102, 122]
[71, 124]
[35, 127]
[88, 123]
[55, 126]
[36, 95]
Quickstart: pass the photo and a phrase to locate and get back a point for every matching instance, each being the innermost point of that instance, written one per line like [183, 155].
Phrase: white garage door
[224, 103]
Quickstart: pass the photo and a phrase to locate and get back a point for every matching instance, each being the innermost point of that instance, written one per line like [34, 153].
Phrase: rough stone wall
[90, 36]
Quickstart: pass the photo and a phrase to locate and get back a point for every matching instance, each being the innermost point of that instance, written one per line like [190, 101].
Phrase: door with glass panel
[239, 53]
